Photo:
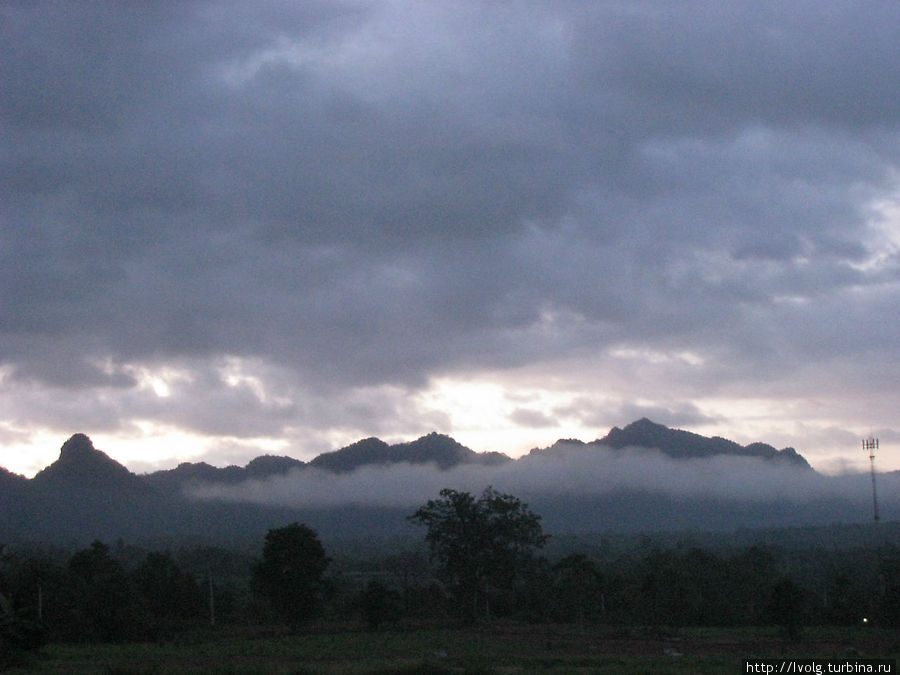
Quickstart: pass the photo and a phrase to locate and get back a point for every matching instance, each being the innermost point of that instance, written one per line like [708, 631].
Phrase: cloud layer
[291, 222]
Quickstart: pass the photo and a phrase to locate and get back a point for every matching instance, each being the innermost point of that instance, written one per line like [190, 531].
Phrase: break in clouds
[566, 471]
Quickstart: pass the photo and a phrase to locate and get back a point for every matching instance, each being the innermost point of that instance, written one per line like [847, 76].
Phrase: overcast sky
[231, 228]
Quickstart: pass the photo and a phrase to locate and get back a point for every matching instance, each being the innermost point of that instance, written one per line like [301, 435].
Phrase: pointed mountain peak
[78, 447]
[80, 463]
[645, 423]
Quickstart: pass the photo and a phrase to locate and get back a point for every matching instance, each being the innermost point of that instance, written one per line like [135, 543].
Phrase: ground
[497, 648]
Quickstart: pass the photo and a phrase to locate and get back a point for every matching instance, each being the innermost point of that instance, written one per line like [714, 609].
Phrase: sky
[230, 228]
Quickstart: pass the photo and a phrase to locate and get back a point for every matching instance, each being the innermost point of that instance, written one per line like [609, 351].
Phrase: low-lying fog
[577, 471]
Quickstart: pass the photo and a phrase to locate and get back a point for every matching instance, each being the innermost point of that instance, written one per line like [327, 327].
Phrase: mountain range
[85, 494]
[684, 444]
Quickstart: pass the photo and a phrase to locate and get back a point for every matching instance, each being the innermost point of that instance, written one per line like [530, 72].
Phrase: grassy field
[498, 648]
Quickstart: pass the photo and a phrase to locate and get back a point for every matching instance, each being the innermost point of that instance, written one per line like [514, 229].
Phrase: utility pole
[871, 445]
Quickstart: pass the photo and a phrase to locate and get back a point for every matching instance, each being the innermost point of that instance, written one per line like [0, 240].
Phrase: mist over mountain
[645, 477]
[434, 448]
[684, 444]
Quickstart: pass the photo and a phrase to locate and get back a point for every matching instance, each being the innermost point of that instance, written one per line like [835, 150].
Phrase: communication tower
[871, 445]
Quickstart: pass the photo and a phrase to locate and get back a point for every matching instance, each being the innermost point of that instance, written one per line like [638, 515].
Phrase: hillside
[679, 444]
[684, 444]
[367, 489]
[435, 448]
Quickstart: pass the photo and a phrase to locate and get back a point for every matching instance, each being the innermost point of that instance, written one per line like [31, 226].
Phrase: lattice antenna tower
[870, 445]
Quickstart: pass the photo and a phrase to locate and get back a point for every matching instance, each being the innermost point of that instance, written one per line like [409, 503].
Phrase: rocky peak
[77, 449]
[81, 464]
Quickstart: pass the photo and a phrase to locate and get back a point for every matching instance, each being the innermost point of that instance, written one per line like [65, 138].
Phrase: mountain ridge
[86, 495]
[80, 462]
[436, 448]
[679, 444]
[685, 444]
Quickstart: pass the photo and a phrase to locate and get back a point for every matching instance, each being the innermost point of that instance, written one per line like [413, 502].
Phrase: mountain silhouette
[191, 473]
[86, 495]
[271, 465]
[81, 466]
[366, 451]
[684, 444]
[82, 493]
[10, 480]
[434, 448]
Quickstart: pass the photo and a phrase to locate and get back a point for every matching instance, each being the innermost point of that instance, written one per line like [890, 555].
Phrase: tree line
[482, 561]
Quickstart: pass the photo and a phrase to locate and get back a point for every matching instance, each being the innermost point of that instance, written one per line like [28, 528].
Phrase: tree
[786, 606]
[379, 604]
[291, 571]
[16, 632]
[106, 601]
[578, 588]
[171, 596]
[479, 544]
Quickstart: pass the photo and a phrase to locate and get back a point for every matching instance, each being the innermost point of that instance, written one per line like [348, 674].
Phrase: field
[498, 648]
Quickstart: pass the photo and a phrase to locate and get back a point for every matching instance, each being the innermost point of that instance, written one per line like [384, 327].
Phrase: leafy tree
[17, 633]
[752, 575]
[291, 571]
[889, 576]
[786, 606]
[578, 588]
[479, 544]
[846, 602]
[170, 595]
[379, 604]
[105, 599]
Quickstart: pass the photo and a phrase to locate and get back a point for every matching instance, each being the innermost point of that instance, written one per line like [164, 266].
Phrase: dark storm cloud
[369, 194]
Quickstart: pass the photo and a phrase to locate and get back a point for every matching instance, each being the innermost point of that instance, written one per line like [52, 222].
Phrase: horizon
[847, 471]
[629, 483]
[239, 229]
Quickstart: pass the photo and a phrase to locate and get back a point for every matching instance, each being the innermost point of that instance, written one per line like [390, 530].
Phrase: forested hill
[80, 463]
[682, 444]
[681, 481]
[435, 448]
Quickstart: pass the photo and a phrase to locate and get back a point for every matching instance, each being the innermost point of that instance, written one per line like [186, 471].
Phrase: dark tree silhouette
[479, 544]
[379, 604]
[578, 588]
[291, 571]
[106, 601]
[889, 577]
[170, 595]
[786, 606]
[16, 632]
